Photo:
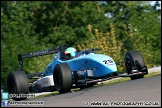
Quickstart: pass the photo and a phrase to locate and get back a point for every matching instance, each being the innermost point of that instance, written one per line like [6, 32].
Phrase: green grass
[127, 78]
[114, 81]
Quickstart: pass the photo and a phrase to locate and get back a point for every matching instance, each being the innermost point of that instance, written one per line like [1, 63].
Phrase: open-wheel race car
[86, 68]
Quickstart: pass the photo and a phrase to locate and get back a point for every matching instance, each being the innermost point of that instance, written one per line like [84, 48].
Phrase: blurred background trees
[112, 26]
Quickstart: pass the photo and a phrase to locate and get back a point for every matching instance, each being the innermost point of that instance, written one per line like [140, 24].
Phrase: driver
[70, 53]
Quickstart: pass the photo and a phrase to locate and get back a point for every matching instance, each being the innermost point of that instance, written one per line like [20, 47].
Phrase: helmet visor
[71, 54]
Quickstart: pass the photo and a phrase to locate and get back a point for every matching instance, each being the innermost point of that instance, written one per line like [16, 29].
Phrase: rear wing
[39, 53]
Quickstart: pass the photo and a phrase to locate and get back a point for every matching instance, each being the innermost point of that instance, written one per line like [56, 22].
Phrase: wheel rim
[128, 65]
[11, 85]
[57, 80]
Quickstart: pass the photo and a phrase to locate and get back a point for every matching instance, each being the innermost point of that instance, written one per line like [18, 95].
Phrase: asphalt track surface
[133, 93]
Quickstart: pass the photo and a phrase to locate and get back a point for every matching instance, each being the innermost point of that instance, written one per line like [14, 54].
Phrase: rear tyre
[134, 61]
[62, 77]
[17, 83]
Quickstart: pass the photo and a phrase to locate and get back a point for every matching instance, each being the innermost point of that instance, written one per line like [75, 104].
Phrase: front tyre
[134, 61]
[62, 77]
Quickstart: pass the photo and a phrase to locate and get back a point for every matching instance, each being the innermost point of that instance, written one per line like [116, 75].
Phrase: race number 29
[108, 62]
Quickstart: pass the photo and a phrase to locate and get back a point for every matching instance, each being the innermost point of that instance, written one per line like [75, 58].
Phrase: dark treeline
[112, 26]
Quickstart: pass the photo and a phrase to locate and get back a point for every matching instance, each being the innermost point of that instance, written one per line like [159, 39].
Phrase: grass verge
[127, 78]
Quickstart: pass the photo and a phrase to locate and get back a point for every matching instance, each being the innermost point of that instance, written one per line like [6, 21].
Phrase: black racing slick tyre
[17, 83]
[62, 77]
[134, 61]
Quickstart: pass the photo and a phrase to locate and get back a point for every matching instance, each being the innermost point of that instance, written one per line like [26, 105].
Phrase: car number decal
[108, 62]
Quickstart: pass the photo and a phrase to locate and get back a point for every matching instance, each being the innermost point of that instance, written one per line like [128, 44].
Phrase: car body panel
[44, 81]
[90, 65]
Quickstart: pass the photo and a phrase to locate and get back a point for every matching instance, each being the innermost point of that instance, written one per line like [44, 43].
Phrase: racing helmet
[70, 53]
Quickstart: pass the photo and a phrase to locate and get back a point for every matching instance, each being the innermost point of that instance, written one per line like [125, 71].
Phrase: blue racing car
[71, 69]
